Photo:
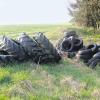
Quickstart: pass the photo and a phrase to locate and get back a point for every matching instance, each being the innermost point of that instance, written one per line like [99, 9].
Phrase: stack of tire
[39, 49]
[87, 53]
[94, 61]
[74, 47]
[70, 43]
[90, 55]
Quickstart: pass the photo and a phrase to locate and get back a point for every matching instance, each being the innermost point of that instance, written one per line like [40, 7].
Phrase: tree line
[86, 13]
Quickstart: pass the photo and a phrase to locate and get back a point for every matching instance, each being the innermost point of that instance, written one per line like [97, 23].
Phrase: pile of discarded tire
[74, 47]
[38, 49]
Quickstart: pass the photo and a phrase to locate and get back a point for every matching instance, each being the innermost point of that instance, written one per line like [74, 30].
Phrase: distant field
[14, 31]
[53, 32]
[68, 80]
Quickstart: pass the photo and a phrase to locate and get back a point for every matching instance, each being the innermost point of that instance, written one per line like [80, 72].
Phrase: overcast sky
[34, 11]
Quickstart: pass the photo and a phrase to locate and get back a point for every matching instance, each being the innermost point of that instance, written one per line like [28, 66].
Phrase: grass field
[68, 80]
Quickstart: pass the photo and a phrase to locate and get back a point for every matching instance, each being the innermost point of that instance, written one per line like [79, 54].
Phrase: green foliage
[87, 13]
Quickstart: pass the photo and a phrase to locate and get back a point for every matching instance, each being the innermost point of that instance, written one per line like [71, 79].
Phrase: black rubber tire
[98, 48]
[78, 44]
[70, 33]
[67, 45]
[85, 52]
[97, 54]
[94, 63]
[93, 47]
[92, 59]
[90, 50]
[84, 58]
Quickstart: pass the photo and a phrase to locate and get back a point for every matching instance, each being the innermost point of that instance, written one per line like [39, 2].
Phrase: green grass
[68, 80]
